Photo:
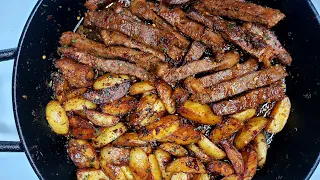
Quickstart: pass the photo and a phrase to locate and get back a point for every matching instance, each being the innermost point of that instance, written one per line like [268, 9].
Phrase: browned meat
[123, 21]
[112, 66]
[174, 2]
[195, 52]
[145, 60]
[249, 100]
[171, 75]
[272, 40]
[241, 84]
[78, 75]
[242, 10]
[248, 41]
[108, 95]
[93, 5]
[225, 75]
[111, 38]
[90, 33]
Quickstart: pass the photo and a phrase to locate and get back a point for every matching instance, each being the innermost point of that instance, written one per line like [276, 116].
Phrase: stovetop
[13, 16]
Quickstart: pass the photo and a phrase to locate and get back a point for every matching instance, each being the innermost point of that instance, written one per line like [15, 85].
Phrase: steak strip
[242, 10]
[112, 66]
[241, 84]
[93, 5]
[195, 52]
[249, 100]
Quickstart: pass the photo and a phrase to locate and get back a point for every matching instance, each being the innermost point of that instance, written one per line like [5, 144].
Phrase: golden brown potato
[186, 134]
[232, 177]
[75, 92]
[78, 103]
[147, 149]
[141, 87]
[220, 168]
[60, 85]
[199, 113]
[180, 95]
[83, 154]
[251, 128]
[113, 172]
[210, 148]
[193, 85]
[154, 168]
[225, 129]
[160, 129]
[120, 107]
[77, 121]
[181, 176]
[163, 159]
[109, 134]
[250, 158]
[198, 153]
[80, 113]
[101, 119]
[260, 145]
[139, 162]
[279, 116]
[83, 133]
[234, 156]
[201, 177]
[57, 117]
[174, 149]
[91, 174]
[115, 156]
[244, 115]
[109, 80]
[128, 172]
[130, 139]
[186, 165]
[165, 92]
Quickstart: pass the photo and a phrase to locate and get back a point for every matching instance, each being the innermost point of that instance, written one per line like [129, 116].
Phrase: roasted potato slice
[201, 177]
[244, 115]
[210, 148]
[174, 149]
[160, 129]
[72, 93]
[163, 159]
[101, 119]
[91, 174]
[78, 103]
[115, 156]
[260, 145]
[109, 134]
[251, 128]
[130, 139]
[79, 122]
[193, 85]
[120, 107]
[180, 95]
[109, 80]
[250, 158]
[147, 149]
[83, 154]
[279, 116]
[57, 117]
[128, 173]
[186, 165]
[141, 87]
[60, 85]
[225, 129]
[198, 153]
[220, 168]
[181, 176]
[200, 113]
[113, 172]
[154, 168]
[186, 134]
[83, 133]
[165, 92]
[232, 177]
[139, 162]
[234, 156]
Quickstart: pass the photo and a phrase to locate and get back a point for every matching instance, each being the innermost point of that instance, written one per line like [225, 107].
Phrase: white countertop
[13, 15]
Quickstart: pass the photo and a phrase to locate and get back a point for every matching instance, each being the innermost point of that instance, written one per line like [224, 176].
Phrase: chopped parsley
[164, 50]
[73, 40]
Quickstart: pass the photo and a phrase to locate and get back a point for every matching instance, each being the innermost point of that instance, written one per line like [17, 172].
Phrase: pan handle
[10, 146]
[7, 54]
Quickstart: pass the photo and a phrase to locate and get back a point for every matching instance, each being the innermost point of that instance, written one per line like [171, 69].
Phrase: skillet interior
[293, 153]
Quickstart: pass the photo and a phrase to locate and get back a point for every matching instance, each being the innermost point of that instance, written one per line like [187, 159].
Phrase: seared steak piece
[195, 52]
[93, 5]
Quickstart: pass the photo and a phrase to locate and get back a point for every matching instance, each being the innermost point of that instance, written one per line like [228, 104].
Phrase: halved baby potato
[78, 103]
[109, 80]
[120, 107]
[83, 154]
[260, 145]
[115, 156]
[244, 115]
[174, 149]
[139, 162]
[130, 139]
[210, 148]
[225, 129]
[185, 134]
[186, 165]
[141, 87]
[112, 171]
[101, 119]
[165, 93]
[57, 117]
[163, 159]
[91, 174]
[109, 134]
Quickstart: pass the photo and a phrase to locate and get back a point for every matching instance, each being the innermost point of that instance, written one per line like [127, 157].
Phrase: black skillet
[294, 153]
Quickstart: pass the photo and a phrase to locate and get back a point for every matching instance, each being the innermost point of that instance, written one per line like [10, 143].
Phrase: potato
[75, 92]
[101, 119]
[163, 159]
[249, 131]
[186, 134]
[165, 92]
[244, 115]
[109, 80]
[91, 174]
[128, 172]
[160, 129]
[78, 103]
[260, 145]
[199, 113]
[80, 113]
[113, 172]
[220, 168]
[109, 134]
[83, 133]
[225, 129]
[180, 95]
[174, 149]
[139, 162]
[77, 122]
[234, 156]
[186, 165]
[83, 154]
[232, 177]
[201, 177]
[141, 87]
[180, 176]
[120, 107]
[147, 149]
[279, 116]
[59, 85]
[193, 85]
[115, 156]
[250, 158]
[130, 139]
[210, 148]
[198, 153]
[154, 168]
[57, 117]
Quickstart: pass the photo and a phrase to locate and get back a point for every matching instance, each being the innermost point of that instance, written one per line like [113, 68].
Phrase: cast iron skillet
[294, 153]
